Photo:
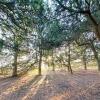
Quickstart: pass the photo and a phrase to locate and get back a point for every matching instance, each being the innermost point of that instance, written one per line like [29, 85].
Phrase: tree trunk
[40, 60]
[95, 55]
[69, 60]
[15, 64]
[84, 62]
[96, 25]
[53, 69]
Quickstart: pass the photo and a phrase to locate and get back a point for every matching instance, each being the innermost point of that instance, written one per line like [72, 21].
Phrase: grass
[75, 66]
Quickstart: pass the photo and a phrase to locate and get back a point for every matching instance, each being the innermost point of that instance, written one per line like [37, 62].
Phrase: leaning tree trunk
[95, 55]
[69, 60]
[95, 24]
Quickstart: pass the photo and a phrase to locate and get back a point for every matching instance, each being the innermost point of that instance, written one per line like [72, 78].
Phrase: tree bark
[95, 55]
[69, 60]
[40, 60]
[53, 69]
[15, 64]
[96, 25]
[84, 62]
[87, 13]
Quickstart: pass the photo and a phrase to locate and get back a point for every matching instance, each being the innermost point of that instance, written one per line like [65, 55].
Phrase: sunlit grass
[80, 66]
[92, 65]
[33, 72]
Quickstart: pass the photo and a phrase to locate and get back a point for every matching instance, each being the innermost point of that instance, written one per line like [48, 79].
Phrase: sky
[48, 1]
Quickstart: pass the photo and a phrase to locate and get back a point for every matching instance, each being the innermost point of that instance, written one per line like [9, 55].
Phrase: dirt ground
[58, 85]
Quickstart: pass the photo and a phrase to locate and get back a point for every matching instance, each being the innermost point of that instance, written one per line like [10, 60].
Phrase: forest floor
[58, 85]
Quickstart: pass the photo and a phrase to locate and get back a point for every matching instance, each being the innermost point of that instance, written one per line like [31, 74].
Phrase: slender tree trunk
[84, 62]
[15, 64]
[95, 55]
[40, 60]
[69, 60]
[53, 62]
